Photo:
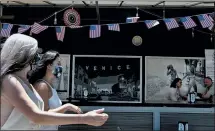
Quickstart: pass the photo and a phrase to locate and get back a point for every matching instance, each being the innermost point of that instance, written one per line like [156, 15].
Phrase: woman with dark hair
[174, 92]
[42, 77]
[21, 106]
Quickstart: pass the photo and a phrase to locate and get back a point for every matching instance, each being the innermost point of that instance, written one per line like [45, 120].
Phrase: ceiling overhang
[112, 3]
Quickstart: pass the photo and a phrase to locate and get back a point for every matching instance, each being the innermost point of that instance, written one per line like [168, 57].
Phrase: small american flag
[171, 23]
[188, 22]
[212, 17]
[95, 31]
[60, 32]
[132, 19]
[23, 28]
[37, 28]
[151, 23]
[6, 29]
[205, 20]
[211, 27]
[113, 27]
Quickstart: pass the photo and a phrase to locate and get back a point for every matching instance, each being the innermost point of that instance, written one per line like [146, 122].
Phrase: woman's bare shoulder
[9, 80]
[10, 85]
[41, 85]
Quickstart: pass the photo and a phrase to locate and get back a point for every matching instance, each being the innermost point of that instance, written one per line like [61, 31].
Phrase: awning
[113, 3]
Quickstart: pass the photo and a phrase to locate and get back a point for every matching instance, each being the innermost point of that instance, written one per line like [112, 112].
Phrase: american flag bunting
[171, 23]
[95, 31]
[37, 28]
[212, 17]
[132, 19]
[113, 27]
[60, 32]
[6, 29]
[188, 22]
[23, 28]
[151, 23]
[211, 27]
[205, 20]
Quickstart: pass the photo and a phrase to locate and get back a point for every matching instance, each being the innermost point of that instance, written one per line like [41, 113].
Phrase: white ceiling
[180, 3]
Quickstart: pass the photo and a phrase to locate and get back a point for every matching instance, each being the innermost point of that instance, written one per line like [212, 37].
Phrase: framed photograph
[61, 84]
[210, 62]
[161, 73]
[107, 79]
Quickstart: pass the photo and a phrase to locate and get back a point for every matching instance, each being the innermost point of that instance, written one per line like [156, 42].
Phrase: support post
[1, 14]
[164, 7]
[97, 11]
[214, 33]
[156, 121]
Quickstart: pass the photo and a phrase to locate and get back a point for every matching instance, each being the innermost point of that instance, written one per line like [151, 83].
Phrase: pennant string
[161, 18]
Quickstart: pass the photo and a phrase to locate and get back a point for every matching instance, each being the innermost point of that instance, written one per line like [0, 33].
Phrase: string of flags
[206, 21]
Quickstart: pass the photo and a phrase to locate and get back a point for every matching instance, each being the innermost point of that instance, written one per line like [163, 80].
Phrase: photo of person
[210, 63]
[62, 71]
[171, 79]
[107, 78]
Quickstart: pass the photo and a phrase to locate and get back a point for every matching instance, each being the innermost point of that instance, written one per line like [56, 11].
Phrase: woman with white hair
[21, 106]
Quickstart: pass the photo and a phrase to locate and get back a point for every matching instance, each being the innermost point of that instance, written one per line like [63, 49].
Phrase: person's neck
[21, 74]
[48, 78]
[209, 86]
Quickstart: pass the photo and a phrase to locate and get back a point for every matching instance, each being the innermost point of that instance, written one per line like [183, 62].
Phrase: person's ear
[49, 66]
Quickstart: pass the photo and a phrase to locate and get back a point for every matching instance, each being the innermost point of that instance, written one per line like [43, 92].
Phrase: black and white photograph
[210, 62]
[172, 79]
[61, 83]
[108, 79]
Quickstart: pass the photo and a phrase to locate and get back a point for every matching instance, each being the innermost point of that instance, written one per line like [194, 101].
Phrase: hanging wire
[56, 12]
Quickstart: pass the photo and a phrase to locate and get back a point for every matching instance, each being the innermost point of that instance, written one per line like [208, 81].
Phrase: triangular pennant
[171, 23]
[60, 32]
[132, 19]
[205, 20]
[95, 31]
[151, 23]
[113, 27]
[23, 28]
[6, 30]
[188, 22]
[37, 28]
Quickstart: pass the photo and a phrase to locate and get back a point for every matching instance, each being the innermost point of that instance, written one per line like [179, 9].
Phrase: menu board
[210, 62]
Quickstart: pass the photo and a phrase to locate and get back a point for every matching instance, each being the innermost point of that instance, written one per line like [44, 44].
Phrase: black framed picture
[172, 80]
[107, 78]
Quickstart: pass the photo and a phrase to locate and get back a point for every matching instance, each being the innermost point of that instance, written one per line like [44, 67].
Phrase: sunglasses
[35, 59]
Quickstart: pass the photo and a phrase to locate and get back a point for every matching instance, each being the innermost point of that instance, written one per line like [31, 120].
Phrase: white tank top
[54, 102]
[16, 119]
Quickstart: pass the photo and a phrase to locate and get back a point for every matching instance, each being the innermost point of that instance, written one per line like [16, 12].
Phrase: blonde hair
[16, 53]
